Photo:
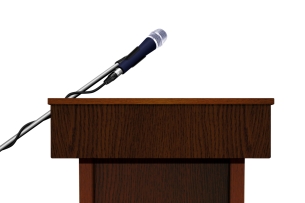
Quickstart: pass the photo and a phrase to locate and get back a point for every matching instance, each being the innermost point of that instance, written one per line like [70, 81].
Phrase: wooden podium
[161, 150]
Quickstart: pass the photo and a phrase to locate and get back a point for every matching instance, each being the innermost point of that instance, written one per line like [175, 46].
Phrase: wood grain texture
[155, 101]
[151, 181]
[86, 181]
[160, 131]
[237, 180]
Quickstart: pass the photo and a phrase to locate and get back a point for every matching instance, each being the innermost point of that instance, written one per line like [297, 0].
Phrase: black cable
[86, 92]
[26, 125]
[18, 135]
[111, 77]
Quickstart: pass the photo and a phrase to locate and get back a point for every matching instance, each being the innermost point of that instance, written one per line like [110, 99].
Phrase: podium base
[161, 180]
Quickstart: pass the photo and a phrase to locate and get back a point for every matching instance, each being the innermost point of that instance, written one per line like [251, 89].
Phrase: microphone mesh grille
[159, 36]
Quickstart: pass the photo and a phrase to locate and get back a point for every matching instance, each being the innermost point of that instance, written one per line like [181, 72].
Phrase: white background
[215, 49]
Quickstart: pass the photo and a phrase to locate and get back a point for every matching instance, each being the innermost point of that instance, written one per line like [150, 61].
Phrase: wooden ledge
[154, 101]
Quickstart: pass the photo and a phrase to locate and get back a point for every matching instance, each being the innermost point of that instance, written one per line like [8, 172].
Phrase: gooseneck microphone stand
[153, 41]
[48, 114]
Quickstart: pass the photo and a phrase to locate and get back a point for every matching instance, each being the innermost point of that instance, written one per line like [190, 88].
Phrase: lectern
[165, 150]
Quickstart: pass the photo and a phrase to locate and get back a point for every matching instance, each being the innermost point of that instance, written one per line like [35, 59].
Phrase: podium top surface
[161, 101]
[161, 128]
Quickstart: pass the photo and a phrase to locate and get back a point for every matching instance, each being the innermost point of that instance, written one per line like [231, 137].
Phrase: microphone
[153, 41]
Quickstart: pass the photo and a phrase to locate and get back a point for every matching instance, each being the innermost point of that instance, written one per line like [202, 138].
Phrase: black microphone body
[153, 41]
[137, 55]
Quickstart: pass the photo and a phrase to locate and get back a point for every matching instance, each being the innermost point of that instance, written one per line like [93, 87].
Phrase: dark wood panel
[155, 101]
[151, 181]
[237, 180]
[86, 181]
[160, 131]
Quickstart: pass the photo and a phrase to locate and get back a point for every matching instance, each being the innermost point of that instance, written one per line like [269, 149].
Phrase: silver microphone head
[159, 36]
